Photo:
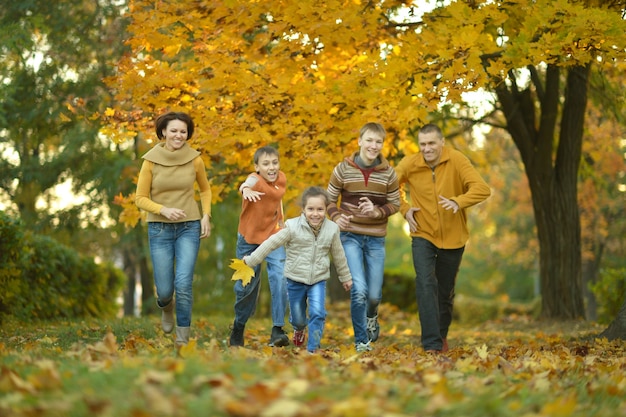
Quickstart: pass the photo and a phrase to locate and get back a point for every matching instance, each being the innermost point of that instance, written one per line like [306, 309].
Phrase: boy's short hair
[374, 127]
[314, 191]
[269, 150]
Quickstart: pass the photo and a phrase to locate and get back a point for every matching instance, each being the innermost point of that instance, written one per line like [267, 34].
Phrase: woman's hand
[205, 226]
[172, 214]
[347, 285]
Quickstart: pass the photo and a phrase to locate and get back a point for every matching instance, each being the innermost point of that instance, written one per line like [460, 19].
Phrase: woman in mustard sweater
[165, 189]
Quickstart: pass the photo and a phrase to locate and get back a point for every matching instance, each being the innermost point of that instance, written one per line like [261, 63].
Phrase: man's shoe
[363, 347]
[373, 328]
[279, 338]
[444, 348]
[298, 338]
[236, 336]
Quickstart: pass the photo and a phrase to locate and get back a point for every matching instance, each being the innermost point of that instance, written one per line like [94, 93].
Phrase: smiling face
[268, 166]
[431, 145]
[371, 144]
[315, 210]
[175, 134]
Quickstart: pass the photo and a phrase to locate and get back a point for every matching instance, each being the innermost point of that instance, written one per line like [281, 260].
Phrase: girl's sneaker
[298, 338]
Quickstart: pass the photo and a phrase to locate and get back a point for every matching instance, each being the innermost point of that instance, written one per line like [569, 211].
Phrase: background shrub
[43, 279]
[610, 291]
[11, 236]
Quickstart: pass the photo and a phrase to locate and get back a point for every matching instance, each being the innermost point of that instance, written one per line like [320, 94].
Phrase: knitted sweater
[351, 182]
[454, 178]
[260, 219]
[308, 254]
[166, 179]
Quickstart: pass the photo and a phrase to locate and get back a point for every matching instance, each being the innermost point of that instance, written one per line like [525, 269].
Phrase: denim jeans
[366, 260]
[315, 296]
[174, 250]
[435, 277]
[246, 297]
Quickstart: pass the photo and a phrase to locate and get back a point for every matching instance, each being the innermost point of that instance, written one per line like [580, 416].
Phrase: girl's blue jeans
[315, 296]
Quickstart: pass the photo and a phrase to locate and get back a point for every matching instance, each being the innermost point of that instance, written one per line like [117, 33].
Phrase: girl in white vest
[309, 241]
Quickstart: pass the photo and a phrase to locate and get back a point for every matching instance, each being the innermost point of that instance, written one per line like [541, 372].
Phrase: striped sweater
[351, 182]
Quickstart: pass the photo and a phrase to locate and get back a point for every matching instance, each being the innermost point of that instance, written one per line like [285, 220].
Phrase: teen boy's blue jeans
[435, 276]
[315, 296]
[366, 260]
[245, 297]
[174, 250]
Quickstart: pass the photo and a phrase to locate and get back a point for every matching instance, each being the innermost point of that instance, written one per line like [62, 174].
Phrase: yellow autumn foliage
[305, 76]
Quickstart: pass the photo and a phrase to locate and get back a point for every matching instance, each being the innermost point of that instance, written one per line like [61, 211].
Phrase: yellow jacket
[454, 178]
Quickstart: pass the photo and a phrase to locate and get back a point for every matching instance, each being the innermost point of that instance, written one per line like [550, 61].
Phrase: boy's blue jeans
[366, 260]
[435, 276]
[174, 250]
[246, 297]
[315, 296]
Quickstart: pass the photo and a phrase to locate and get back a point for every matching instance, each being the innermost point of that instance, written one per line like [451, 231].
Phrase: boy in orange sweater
[261, 216]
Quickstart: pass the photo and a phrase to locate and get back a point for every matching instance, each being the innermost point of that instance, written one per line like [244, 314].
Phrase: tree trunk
[130, 269]
[26, 197]
[148, 296]
[590, 275]
[552, 177]
[617, 328]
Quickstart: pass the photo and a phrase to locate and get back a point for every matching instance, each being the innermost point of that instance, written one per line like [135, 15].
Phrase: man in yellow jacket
[442, 183]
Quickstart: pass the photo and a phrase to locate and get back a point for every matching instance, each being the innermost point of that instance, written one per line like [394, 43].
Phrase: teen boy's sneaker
[236, 336]
[279, 338]
[298, 338]
[373, 328]
[363, 347]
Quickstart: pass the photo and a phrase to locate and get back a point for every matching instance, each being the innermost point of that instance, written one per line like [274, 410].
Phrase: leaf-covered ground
[127, 367]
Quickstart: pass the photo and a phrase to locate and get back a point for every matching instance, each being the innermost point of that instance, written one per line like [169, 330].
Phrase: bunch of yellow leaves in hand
[242, 271]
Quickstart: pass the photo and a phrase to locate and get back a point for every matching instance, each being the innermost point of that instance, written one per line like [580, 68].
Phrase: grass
[127, 367]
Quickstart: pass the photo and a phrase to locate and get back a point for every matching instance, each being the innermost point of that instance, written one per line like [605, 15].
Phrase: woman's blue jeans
[174, 250]
[366, 260]
[315, 296]
[435, 277]
[246, 297]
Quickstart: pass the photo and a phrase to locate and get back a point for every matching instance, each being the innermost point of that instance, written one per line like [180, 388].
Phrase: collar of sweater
[159, 155]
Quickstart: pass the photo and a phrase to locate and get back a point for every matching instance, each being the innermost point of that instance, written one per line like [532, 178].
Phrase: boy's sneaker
[298, 338]
[279, 338]
[236, 336]
[373, 328]
[363, 347]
